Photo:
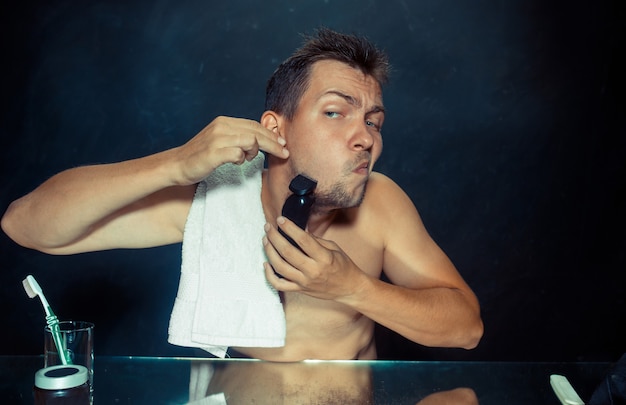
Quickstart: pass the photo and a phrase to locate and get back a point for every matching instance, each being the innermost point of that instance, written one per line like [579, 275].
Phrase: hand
[321, 269]
[225, 140]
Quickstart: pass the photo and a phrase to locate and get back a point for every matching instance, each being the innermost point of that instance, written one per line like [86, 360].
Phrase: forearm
[66, 206]
[437, 317]
[138, 203]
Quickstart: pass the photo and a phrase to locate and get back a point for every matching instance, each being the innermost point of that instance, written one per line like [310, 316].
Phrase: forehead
[331, 74]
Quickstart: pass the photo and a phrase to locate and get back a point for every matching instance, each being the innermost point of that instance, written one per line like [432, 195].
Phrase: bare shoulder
[386, 199]
[389, 215]
[411, 256]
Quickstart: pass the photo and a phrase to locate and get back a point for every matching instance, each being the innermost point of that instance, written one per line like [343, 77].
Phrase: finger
[307, 243]
[326, 244]
[249, 135]
[258, 138]
[278, 263]
[232, 154]
[279, 283]
[272, 143]
[237, 148]
[294, 255]
[249, 146]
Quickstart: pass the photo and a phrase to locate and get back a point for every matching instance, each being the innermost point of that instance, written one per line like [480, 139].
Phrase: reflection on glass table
[131, 380]
[298, 383]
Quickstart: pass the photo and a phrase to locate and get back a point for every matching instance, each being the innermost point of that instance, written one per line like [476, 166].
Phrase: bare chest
[308, 316]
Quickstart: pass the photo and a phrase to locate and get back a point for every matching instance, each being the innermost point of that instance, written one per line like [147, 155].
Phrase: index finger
[272, 143]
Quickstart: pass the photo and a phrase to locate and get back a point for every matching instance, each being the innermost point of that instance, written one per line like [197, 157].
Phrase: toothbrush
[33, 289]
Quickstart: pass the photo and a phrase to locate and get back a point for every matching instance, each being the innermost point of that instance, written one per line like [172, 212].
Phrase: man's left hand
[321, 269]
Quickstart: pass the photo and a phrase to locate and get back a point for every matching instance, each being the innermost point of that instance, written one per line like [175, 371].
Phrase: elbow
[7, 223]
[17, 227]
[463, 335]
[466, 335]
[473, 328]
[11, 225]
[472, 334]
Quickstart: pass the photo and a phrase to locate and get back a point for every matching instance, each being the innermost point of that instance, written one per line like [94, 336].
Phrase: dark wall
[505, 125]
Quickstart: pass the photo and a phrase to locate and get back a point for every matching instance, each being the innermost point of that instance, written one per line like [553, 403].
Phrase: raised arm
[427, 300]
[136, 203]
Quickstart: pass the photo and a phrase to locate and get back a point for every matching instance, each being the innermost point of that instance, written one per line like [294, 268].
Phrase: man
[324, 118]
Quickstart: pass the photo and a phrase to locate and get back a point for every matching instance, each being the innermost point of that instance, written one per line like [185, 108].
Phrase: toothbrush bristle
[29, 287]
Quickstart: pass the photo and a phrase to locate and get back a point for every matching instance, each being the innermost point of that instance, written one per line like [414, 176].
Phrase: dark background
[505, 125]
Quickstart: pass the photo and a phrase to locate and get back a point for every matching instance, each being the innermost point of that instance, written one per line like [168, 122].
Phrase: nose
[362, 138]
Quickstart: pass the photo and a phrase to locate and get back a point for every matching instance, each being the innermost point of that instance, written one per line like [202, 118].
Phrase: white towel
[199, 380]
[223, 296]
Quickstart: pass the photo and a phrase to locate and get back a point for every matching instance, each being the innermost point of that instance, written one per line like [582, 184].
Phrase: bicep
[411, 257]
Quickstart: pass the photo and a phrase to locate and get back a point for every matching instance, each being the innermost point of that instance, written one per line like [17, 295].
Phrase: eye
[372, 124]
[331, 114]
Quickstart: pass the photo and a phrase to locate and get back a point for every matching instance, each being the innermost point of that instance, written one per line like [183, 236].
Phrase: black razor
[297, 207]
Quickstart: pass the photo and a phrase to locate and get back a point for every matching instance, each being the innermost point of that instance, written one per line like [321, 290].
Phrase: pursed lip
[363, 168]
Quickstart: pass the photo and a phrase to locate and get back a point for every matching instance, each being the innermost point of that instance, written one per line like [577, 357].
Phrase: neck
[320, 222]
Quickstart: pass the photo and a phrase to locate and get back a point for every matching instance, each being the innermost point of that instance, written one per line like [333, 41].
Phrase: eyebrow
[353, 101]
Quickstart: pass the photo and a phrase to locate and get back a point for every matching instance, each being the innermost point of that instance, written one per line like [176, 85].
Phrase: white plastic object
[564, 390]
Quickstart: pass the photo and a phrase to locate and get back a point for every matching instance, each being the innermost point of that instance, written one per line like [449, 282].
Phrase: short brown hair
[291, 78]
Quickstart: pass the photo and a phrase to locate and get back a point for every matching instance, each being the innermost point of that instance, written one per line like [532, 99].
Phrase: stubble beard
[338, 197]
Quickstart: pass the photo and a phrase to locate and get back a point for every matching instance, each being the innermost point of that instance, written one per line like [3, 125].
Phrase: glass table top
[143, 380]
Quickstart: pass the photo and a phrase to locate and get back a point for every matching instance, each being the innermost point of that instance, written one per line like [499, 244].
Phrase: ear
[272, 121]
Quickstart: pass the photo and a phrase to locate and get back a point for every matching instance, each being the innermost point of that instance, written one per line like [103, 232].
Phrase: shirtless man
[329, 131]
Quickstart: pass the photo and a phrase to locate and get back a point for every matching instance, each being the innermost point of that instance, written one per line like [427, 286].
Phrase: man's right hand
[225, 140]
[136, 203]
